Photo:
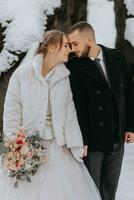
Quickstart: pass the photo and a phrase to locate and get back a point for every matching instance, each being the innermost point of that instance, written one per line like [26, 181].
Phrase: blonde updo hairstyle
[53, 37]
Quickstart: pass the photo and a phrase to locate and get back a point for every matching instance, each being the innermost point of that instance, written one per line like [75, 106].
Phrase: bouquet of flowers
[22, 155]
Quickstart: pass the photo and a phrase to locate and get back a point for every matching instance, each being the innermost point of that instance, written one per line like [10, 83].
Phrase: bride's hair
[50, 37]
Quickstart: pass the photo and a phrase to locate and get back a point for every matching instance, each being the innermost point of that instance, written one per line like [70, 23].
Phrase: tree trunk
[120, 19]
[69, 13]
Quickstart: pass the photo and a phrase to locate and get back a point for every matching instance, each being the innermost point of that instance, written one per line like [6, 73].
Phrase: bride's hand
[85, 150]
[77, 153]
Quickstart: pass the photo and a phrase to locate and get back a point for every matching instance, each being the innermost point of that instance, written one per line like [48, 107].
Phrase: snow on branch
[129, 6]
[129, 31]
[25, 23]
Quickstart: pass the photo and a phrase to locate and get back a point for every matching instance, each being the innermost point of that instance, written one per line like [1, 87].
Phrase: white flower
[24, 149]
[27, 166]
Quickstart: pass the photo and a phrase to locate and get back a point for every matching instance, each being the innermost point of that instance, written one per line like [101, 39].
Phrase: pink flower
[29, 154]
[21, 161]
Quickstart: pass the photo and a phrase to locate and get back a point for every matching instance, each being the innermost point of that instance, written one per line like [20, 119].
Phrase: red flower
[20, 141]
[18, 149]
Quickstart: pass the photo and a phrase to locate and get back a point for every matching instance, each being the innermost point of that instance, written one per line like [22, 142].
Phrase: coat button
[101, 123]
[115, 126]
[123, 101]
[98, 92]
[122, 85]
[100, 108]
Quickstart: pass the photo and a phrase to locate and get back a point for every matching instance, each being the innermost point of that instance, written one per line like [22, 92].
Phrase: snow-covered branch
[25, 23]
[129, 31]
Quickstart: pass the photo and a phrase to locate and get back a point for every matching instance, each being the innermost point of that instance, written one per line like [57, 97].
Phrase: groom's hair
[82, 26]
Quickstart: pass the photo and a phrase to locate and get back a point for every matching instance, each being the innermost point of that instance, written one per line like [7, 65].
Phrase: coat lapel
[112, 62]
[89, 68]
[60, 71]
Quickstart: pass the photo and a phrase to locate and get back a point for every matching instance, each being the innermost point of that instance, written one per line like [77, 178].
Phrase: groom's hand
[129, 137]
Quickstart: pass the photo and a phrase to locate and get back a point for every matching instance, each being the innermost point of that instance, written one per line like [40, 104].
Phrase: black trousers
[105, 168]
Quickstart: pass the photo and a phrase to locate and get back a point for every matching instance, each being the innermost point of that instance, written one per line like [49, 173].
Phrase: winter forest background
[23, 22]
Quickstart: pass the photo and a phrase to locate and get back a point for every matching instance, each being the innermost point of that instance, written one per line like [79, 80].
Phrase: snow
[126, 183]
[129, 6]
[25, 23]
[129, 31]
[101, 16]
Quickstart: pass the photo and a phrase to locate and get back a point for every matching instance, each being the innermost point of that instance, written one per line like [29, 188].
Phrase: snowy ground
[126, 183]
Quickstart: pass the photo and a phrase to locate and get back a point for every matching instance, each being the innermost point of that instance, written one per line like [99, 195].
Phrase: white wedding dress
[60, 178]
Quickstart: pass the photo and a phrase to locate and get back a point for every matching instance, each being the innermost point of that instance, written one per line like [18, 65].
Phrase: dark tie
[97, 63]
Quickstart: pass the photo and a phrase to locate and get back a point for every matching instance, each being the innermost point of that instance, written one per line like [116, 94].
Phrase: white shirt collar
[100, 55]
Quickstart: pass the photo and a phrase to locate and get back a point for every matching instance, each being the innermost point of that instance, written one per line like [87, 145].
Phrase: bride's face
[64, 51]
[61, 52]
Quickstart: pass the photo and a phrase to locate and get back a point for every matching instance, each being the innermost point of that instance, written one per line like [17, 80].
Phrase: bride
[39, 98]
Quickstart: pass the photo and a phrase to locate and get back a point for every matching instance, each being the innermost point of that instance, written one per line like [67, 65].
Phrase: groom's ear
[89, 41]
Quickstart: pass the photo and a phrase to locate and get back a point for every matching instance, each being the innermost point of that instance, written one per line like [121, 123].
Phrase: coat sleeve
[80, 98]
[72, 130]
[129, 96]
[12, 106]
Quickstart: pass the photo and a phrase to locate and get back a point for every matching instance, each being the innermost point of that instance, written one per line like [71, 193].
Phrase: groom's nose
[73, 48]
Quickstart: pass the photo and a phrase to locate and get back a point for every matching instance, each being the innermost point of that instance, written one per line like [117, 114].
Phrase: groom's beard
[85, 51]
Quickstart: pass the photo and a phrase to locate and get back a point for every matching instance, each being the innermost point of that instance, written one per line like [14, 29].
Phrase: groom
[103, 94]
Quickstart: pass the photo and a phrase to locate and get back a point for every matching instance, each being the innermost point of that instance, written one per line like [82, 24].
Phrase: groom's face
[79, 43]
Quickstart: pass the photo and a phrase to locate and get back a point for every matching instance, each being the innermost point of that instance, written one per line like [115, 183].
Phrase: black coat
[103, 110]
